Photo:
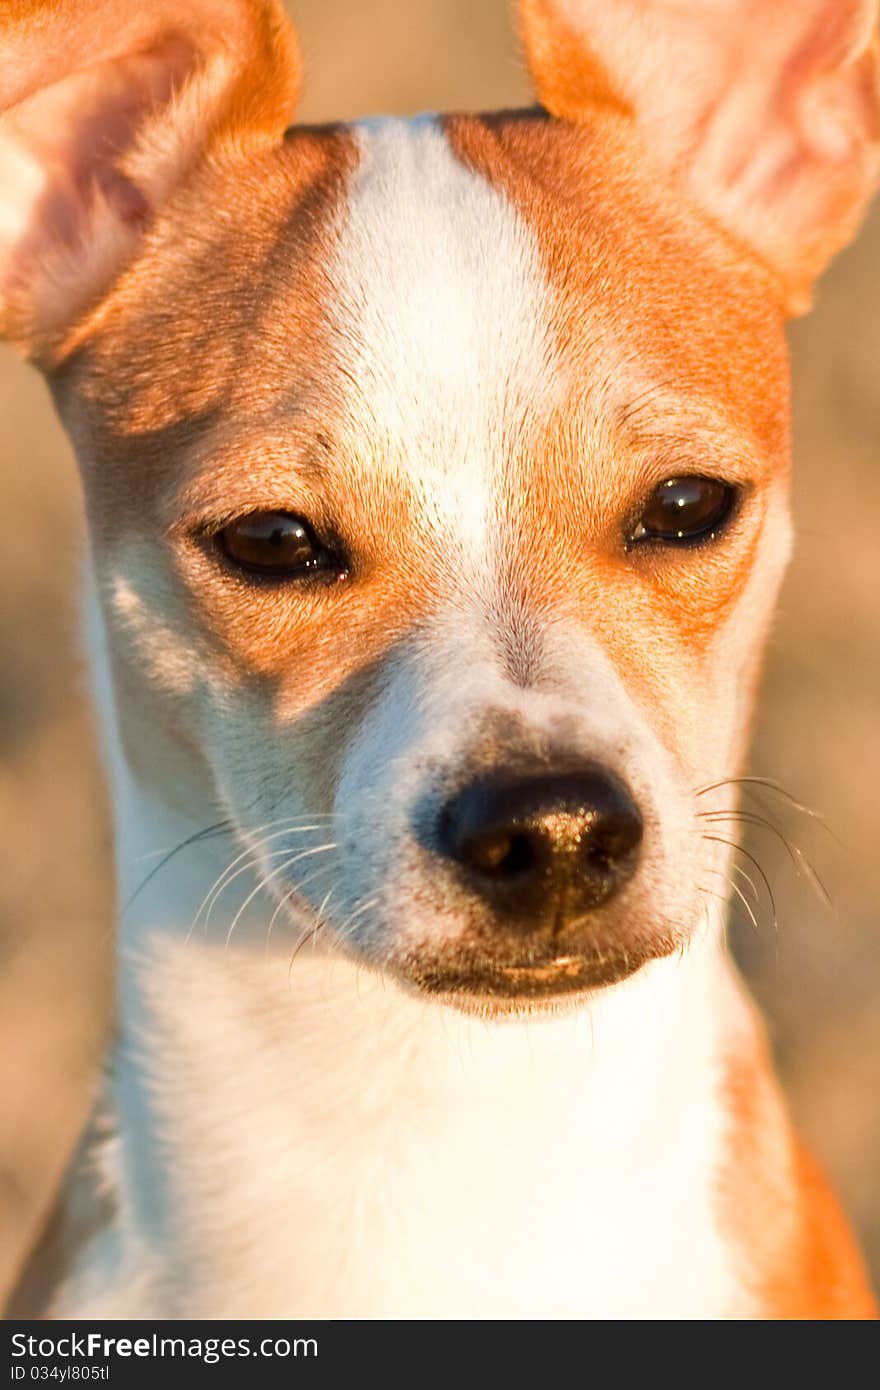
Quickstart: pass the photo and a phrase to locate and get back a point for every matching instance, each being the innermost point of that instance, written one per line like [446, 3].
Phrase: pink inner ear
[76, 132]
[766, 111]
[71, 209]
[105, 107]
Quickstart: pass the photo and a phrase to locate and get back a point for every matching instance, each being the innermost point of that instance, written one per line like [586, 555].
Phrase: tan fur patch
[674, 362]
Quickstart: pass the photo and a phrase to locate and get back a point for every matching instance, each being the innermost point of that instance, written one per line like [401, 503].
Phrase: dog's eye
[685, 509]
[277, 545]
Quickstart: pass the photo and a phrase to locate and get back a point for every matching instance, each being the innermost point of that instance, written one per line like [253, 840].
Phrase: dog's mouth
[488, 971]
[480, 977]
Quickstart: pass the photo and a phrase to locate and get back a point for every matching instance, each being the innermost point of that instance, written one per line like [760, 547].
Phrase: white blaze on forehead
[443, 306]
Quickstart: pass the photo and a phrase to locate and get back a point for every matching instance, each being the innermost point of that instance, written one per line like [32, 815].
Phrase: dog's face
[437, 474]
[447, 512]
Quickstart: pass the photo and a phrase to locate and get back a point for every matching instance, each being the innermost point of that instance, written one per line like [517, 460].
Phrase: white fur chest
[337, 1149]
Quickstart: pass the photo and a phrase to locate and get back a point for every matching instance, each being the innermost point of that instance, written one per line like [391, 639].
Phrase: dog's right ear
[767, 112]
[105, 107]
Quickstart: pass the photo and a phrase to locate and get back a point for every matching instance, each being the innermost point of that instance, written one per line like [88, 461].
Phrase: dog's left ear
[105, 108]
[767, 111]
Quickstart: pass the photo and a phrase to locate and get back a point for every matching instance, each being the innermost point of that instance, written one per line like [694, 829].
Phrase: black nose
[547, 848]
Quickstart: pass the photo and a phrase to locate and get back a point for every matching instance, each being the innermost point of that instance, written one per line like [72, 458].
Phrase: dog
[437, 482]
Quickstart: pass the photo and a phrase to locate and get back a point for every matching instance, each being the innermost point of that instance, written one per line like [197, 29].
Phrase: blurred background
[818, 733]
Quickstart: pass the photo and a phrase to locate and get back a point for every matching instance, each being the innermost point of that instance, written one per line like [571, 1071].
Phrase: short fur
[466, 348]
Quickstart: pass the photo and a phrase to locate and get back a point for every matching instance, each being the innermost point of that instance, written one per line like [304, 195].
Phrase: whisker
[311, 934]
[738, 869]
[268, 878]
[769, 784]
[345, 931]
[733, 844]
[251, 864]
[290, 827]
[290, 894]
[285, 898]
[802, 865]
[222, 827]
[734, 888]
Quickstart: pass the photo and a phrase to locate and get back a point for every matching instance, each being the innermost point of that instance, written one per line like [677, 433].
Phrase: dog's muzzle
[536, 857]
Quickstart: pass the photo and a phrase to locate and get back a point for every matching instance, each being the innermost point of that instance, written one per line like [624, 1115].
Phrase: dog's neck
[268, 1114]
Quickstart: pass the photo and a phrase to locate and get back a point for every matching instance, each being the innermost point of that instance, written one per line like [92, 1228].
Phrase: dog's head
[437, 470]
